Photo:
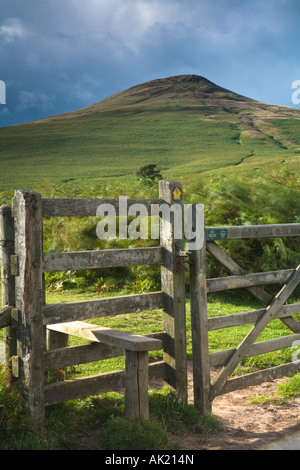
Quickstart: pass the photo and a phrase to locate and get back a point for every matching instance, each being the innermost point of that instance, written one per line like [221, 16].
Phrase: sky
[58, 56]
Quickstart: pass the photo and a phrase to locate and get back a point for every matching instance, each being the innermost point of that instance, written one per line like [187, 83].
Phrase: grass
[168, 415]
[285, 391]
[69, 426]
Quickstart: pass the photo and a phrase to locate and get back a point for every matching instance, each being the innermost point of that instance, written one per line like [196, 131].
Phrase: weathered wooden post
[199, 323]
[27, 212]
[7, 282]
[136, 385]
[173, 285]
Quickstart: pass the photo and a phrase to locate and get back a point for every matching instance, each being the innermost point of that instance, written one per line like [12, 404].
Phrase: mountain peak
[178, 90]
[179, 93]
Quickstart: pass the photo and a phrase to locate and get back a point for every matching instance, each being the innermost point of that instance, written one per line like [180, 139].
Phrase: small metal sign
[216, 233]
[177, 194]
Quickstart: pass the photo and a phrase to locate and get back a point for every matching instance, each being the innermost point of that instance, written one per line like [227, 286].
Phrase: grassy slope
[188, 126]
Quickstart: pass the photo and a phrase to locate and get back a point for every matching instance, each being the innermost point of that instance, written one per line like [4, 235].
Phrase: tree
[148, 172]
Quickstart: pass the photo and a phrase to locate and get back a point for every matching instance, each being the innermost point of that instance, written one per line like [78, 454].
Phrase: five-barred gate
[35, 332]
[206, 391]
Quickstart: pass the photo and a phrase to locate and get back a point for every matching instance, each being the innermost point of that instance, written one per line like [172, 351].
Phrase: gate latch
[182, 259]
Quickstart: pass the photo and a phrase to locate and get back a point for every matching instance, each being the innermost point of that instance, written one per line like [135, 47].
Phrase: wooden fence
[35, 332]
[206, 391]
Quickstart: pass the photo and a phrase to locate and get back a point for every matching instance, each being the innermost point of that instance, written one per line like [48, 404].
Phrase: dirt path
[245, 425]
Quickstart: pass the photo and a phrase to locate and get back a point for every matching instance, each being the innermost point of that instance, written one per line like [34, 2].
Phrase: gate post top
[29, 198]
[26, 193]
[5, 209]
[170, 191]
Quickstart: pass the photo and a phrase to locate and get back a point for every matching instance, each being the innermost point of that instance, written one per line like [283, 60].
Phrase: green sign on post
[216, 233]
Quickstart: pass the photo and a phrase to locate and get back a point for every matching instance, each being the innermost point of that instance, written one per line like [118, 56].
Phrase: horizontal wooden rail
[84, 207]
[245, 318]
[252, 231]
[248, 280]
[85, 353]
[108, 306]
[115, 338]
[255, 378]
[85, 386]
[220, 358]
[101, 259]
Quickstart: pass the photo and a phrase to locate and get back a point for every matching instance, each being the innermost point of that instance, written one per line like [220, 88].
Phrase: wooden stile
[136, 360]
[116, 338]
[42, 330]
[84, 353]
[136, 385]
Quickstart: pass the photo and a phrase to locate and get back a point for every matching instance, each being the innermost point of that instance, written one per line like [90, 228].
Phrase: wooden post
[56, 340]
[27, 211]
[173, 285]
[199, 322]
[136, 385]
[7, 281]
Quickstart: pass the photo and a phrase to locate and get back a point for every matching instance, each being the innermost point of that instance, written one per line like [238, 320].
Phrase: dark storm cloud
[58, 56]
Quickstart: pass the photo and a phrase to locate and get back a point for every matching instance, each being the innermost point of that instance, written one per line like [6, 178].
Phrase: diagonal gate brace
[258, 292]
[270, 313]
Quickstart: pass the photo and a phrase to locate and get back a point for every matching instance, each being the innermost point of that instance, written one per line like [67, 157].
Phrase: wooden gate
[29, 321]
[205, 391]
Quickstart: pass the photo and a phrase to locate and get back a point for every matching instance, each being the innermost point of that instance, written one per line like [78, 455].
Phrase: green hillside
[191, 128]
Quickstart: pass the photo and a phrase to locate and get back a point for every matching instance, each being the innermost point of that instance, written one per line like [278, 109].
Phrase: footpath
[288, 443]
